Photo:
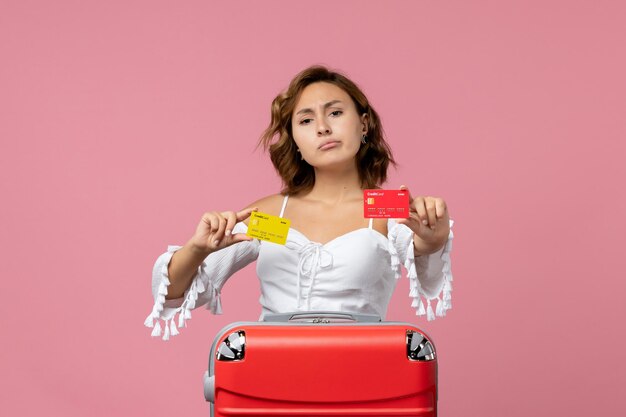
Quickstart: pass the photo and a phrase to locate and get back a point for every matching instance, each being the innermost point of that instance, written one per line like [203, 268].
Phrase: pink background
[122, 122]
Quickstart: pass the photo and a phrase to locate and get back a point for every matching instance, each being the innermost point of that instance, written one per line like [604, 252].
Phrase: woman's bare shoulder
[270, 204]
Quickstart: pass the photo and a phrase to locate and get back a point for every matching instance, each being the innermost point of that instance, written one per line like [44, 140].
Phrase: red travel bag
[321, 364]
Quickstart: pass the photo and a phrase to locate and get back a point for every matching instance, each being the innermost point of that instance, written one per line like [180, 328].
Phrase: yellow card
[267, 227]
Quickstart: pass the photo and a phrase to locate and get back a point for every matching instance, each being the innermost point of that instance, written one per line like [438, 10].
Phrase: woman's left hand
[429, 220]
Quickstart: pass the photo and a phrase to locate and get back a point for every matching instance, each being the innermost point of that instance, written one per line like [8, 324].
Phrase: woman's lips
[329, 145]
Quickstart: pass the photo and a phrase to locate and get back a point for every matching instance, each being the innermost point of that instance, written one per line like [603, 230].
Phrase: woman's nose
[323, 128]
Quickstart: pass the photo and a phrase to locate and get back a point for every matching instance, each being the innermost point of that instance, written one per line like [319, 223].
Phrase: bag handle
[322, 317]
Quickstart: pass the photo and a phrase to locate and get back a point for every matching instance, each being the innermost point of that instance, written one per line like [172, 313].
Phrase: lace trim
[444, 301]
[199, 285]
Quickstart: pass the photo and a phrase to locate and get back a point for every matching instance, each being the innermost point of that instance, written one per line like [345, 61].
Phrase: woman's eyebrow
[327, 105]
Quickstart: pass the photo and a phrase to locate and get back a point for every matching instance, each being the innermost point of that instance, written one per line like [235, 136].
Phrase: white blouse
[355, 272]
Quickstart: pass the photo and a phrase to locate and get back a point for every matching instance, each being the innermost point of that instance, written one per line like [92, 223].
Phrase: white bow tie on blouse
[313, 258]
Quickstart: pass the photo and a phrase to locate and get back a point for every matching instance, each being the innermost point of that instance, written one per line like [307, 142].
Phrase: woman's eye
[336, 112]
[305, 121]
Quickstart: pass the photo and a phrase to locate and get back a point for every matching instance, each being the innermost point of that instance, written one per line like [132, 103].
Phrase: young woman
[326, 142]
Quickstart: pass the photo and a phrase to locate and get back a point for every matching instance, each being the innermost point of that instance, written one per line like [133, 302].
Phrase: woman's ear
[364, 122]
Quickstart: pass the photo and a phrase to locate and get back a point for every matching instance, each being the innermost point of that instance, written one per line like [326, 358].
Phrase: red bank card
[386, 204]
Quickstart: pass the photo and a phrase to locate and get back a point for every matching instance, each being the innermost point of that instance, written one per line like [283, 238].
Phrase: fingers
[211, 221]
[231, 220]
[431, 212]
[412, 208]
[222, 224]
[216, 229]
[427, 209]
[245, 213]
[216, 225]
[221, 229]
[419, 206]
[440, 208]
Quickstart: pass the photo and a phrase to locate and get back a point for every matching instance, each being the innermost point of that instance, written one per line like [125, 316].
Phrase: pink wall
[121, 122]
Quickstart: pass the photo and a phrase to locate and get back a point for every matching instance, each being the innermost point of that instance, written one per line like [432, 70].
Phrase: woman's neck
[334, 186]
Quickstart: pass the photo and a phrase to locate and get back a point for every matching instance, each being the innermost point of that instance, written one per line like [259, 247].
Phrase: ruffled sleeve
[430, 275]
[205, 286]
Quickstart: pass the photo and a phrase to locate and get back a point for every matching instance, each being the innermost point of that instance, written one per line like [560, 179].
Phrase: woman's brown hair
[373, 157]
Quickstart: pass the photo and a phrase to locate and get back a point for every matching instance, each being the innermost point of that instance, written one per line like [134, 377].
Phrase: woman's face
[326, 126]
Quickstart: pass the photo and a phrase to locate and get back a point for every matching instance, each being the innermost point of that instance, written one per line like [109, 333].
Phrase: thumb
[240, 237]
[405, 188]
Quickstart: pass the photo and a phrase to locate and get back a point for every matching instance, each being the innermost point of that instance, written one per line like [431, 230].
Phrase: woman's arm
[182, 268]
[214, 232]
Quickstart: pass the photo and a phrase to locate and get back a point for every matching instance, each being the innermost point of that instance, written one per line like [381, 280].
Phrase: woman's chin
[334, 162]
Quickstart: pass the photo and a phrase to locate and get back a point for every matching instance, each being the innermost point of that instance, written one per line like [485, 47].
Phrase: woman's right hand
[215, 230]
